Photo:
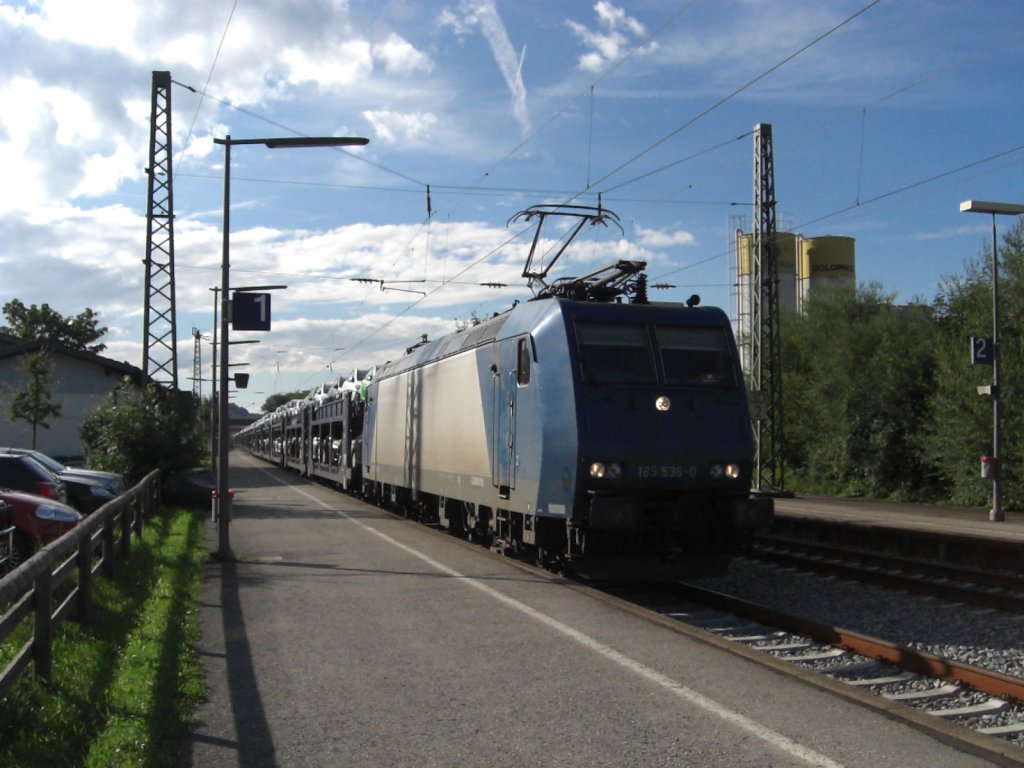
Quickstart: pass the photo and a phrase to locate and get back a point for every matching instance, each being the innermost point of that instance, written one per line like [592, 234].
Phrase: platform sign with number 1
[250, 311]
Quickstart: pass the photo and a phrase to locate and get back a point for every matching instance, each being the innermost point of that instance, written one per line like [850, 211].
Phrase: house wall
[79, 385]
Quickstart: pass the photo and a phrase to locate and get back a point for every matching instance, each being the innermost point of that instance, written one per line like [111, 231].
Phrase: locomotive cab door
[503, 415]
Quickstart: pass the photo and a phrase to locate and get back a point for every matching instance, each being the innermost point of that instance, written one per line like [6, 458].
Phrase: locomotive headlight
[662, 403]
[611, 470]
[718, 471]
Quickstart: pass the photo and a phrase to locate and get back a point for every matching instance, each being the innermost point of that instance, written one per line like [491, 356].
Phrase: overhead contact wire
[725, 99]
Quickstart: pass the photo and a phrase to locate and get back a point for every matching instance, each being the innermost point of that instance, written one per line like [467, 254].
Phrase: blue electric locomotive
[608, 437]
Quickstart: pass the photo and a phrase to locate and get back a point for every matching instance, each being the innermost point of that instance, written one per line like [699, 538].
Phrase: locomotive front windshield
[658, 354]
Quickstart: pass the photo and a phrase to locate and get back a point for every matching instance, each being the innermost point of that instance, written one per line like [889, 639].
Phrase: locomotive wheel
[469, 518]
[545, 559]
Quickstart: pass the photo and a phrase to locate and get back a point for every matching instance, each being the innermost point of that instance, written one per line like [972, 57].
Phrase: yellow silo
[786, 260]
[825, 261]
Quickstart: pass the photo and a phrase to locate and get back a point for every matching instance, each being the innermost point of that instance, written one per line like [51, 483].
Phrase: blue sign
[983, 350]
[250, 311]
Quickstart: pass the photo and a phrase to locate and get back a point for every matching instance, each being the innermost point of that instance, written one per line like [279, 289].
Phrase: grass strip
[123, 692]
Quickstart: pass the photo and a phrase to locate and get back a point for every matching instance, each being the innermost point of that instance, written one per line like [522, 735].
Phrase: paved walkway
[342, 636]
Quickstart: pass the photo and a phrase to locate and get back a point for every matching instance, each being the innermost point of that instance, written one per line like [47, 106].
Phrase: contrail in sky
[493, 29]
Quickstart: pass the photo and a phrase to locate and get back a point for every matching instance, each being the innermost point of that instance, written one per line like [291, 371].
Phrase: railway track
[962, 698]
[1000, 590]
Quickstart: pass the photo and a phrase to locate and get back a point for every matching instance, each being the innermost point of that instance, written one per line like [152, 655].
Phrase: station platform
[956, 536]
[340, 635]
[958, 521]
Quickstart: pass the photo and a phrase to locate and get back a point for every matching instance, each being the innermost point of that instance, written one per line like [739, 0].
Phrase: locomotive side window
[695, 356]
[523, 363]
[615, 354]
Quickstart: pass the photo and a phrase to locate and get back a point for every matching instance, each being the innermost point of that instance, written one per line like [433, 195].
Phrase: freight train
[596, 435]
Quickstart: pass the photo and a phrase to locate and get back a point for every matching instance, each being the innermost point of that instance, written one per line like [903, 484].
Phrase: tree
[858, 375]
[35, 403]
[961, 430]
[44, 323]
[134, 437]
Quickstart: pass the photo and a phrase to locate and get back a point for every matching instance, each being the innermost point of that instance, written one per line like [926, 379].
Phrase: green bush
[159, 430]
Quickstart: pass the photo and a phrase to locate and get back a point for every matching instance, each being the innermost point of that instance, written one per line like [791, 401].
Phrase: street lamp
[223, 498]
[1007, 209]
[214, 452]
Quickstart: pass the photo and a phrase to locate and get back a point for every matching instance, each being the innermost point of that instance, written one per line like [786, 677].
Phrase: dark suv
[23, 473]
[87, 489]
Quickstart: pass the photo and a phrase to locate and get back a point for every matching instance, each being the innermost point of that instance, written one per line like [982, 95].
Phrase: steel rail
[1002, 591]
[921, 662]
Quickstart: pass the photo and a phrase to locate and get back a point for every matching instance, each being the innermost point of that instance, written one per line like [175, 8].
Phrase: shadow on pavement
[254, 745]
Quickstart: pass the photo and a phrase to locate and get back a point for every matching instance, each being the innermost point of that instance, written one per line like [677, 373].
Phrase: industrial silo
[825, 262]
[786, 260]
[786, 256]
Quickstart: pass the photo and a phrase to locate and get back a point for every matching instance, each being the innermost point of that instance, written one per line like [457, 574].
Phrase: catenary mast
[766, 367]
[159, 356]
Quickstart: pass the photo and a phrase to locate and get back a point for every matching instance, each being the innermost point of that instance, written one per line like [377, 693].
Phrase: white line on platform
[743, 722]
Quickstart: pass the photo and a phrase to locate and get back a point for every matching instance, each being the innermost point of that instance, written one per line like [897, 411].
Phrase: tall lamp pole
[1007, 209]
[213, 383]
[223, 497]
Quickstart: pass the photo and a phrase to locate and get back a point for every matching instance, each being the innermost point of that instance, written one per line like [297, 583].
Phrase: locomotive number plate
[665, 471]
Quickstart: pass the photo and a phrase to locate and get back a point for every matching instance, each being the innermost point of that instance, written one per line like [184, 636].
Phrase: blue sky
[885, 116]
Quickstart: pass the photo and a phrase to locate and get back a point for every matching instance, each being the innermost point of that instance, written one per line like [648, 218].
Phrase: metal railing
[27, 593]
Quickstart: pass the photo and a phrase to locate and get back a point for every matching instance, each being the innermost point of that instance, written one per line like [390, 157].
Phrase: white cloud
[366, 338]
[199, 146]
[459, 24]
[103, 173]
[400, 56]
[65, 114]
[112, 25]
[613, 17]
[396, 127]
[191, 48]
[657, 238]
[23, 187]
[616, 36]
[52, 141]
[347, 63]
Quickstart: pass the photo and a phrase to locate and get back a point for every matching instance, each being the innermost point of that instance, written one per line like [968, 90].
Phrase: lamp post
[1007, 209]
[214, 452]
[223, 497]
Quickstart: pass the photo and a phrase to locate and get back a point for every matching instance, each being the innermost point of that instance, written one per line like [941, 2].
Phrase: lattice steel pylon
[160, 356]
[766, 342]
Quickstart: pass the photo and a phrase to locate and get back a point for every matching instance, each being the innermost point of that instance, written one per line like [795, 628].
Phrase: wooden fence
[96, 545]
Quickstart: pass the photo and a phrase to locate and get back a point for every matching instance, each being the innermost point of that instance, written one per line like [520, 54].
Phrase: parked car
[88, 489]
[19, 472]
[37, 521]
[86, 494]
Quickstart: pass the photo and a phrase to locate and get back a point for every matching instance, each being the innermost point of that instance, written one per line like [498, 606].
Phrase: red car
[36, 521]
